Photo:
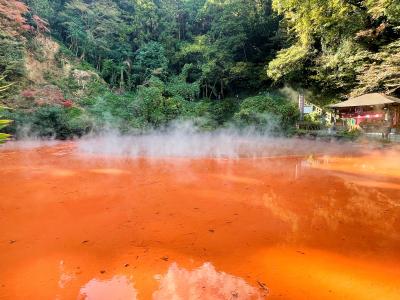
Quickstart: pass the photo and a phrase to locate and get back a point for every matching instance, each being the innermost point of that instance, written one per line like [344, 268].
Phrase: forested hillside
[222, 46]
[78, 65]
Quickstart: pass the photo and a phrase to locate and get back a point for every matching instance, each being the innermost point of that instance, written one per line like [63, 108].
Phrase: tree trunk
[222, 89]
[121, 82]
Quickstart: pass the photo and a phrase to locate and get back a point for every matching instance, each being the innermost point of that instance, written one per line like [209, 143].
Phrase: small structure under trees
[371, 112]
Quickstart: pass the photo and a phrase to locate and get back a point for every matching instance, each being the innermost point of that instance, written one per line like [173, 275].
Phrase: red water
[77, 226]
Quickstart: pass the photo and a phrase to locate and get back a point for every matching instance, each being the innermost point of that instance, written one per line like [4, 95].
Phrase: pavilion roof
[367, 100]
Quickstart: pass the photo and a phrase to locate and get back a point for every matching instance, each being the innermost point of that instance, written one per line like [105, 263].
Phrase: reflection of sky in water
[178, 283]
[203, 283]
[116, 288]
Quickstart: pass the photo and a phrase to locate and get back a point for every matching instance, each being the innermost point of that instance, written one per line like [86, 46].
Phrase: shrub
[111, 110]
[148, 106]
[50, 121]
[200, 114]
[149, 60]
[223, 110]
[178, 86]
[267, 112]
[3, 124]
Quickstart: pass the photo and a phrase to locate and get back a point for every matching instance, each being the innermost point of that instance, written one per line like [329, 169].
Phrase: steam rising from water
[186, 141]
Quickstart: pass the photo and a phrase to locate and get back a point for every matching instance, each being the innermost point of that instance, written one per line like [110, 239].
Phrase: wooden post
[301, 105]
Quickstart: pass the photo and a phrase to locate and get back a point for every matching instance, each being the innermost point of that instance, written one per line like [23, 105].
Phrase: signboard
[308, 109]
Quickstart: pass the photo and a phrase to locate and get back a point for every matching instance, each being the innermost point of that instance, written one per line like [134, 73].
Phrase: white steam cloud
[184, 140]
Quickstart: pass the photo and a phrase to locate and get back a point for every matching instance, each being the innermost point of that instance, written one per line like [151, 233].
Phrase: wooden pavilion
[371, 112]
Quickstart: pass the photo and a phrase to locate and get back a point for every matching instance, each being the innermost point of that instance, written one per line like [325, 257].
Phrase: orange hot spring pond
[80, 225]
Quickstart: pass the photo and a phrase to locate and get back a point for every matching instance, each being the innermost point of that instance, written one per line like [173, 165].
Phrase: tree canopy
[226, 42]
[339, 46]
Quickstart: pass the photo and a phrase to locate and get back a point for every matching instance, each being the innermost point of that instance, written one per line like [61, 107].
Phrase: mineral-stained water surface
[77, 224]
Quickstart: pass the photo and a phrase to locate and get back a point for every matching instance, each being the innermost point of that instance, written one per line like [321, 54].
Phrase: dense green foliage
[225, 42]
[49, 122]
[153, 105]
[11, 57]
[3, 123]
[268, 112]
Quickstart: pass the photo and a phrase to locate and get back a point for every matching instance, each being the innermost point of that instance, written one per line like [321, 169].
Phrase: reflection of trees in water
[333, 205]
[272, 203]
[370, 209]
